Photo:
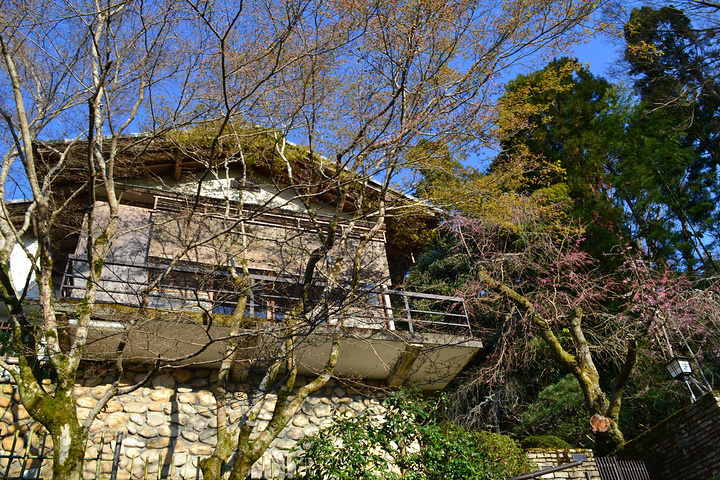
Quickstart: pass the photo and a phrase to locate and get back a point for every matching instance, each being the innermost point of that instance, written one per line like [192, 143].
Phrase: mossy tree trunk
[603, 407]
[49, 344]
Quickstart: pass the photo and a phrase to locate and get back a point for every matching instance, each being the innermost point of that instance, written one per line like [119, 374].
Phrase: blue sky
[600, 53]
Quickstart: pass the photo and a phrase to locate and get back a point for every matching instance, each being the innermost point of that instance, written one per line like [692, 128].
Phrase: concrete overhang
[424, 359]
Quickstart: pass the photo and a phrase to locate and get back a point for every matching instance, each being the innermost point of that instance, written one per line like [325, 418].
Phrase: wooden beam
[400, 373]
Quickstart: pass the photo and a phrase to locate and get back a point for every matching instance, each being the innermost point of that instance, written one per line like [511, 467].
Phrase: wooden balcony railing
[198, 288]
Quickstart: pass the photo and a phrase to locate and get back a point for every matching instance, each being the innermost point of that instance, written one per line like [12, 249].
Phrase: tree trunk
[608, 436]
[241, 469]
[69, 451]
[211, 466]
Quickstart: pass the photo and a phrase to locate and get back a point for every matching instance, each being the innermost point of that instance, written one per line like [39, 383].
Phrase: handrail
[374, 306]
[545, 471]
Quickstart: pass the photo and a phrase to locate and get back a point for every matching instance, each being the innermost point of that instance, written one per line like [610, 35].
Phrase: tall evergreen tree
[561, 123]
[668, 171]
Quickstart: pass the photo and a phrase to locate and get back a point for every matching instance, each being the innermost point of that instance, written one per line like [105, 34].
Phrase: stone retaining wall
[173, 420]
[545, 458]
[684, 445]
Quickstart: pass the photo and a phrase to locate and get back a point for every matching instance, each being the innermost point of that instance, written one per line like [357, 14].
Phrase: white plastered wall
[21, 271]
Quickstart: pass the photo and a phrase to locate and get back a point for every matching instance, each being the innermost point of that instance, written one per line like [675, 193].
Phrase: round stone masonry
[173, 417]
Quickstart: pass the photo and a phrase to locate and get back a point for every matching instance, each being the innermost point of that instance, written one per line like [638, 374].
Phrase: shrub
[559, 411]
[6, 345]
[407, 442]
[544, 441]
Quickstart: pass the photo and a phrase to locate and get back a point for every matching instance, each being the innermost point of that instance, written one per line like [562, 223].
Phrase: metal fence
[29, 457]
[195, 288]
[611, 468]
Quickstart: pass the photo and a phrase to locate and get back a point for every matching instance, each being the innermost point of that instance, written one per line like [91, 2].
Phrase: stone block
[187, 398]
[9, 442]
[300, 420]
[116, 420]
[143, 398]
[310, 430]
[20, 413]
[99, 391]
[148, 432]
[133, 407]
[137, 419]
[178, 418]
[93, 381]
[183, 375]
[209, 437]
[113, 406]
[199, 423]
[322, 410]
[96, 426]
[181, 445]
[161, 394]
[132, 442]
[180, 459]
[155, 419]
[163, 381]
[200, 382]
[206, 399]
[159, 442]
[86, 401]
[200, 449]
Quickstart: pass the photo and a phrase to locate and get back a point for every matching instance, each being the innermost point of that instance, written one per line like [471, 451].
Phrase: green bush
[407, 442]
[651, 397]
[6, 345]
[559, 411]
[543, 441]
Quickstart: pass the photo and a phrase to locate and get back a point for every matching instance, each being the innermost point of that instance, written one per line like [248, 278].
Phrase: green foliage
[650, 398]
[668, 169]
[559, 411]
[543, 441]
[407, 442]
[561, 124]
[437, 168]
[441, 267]
[6, 343]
